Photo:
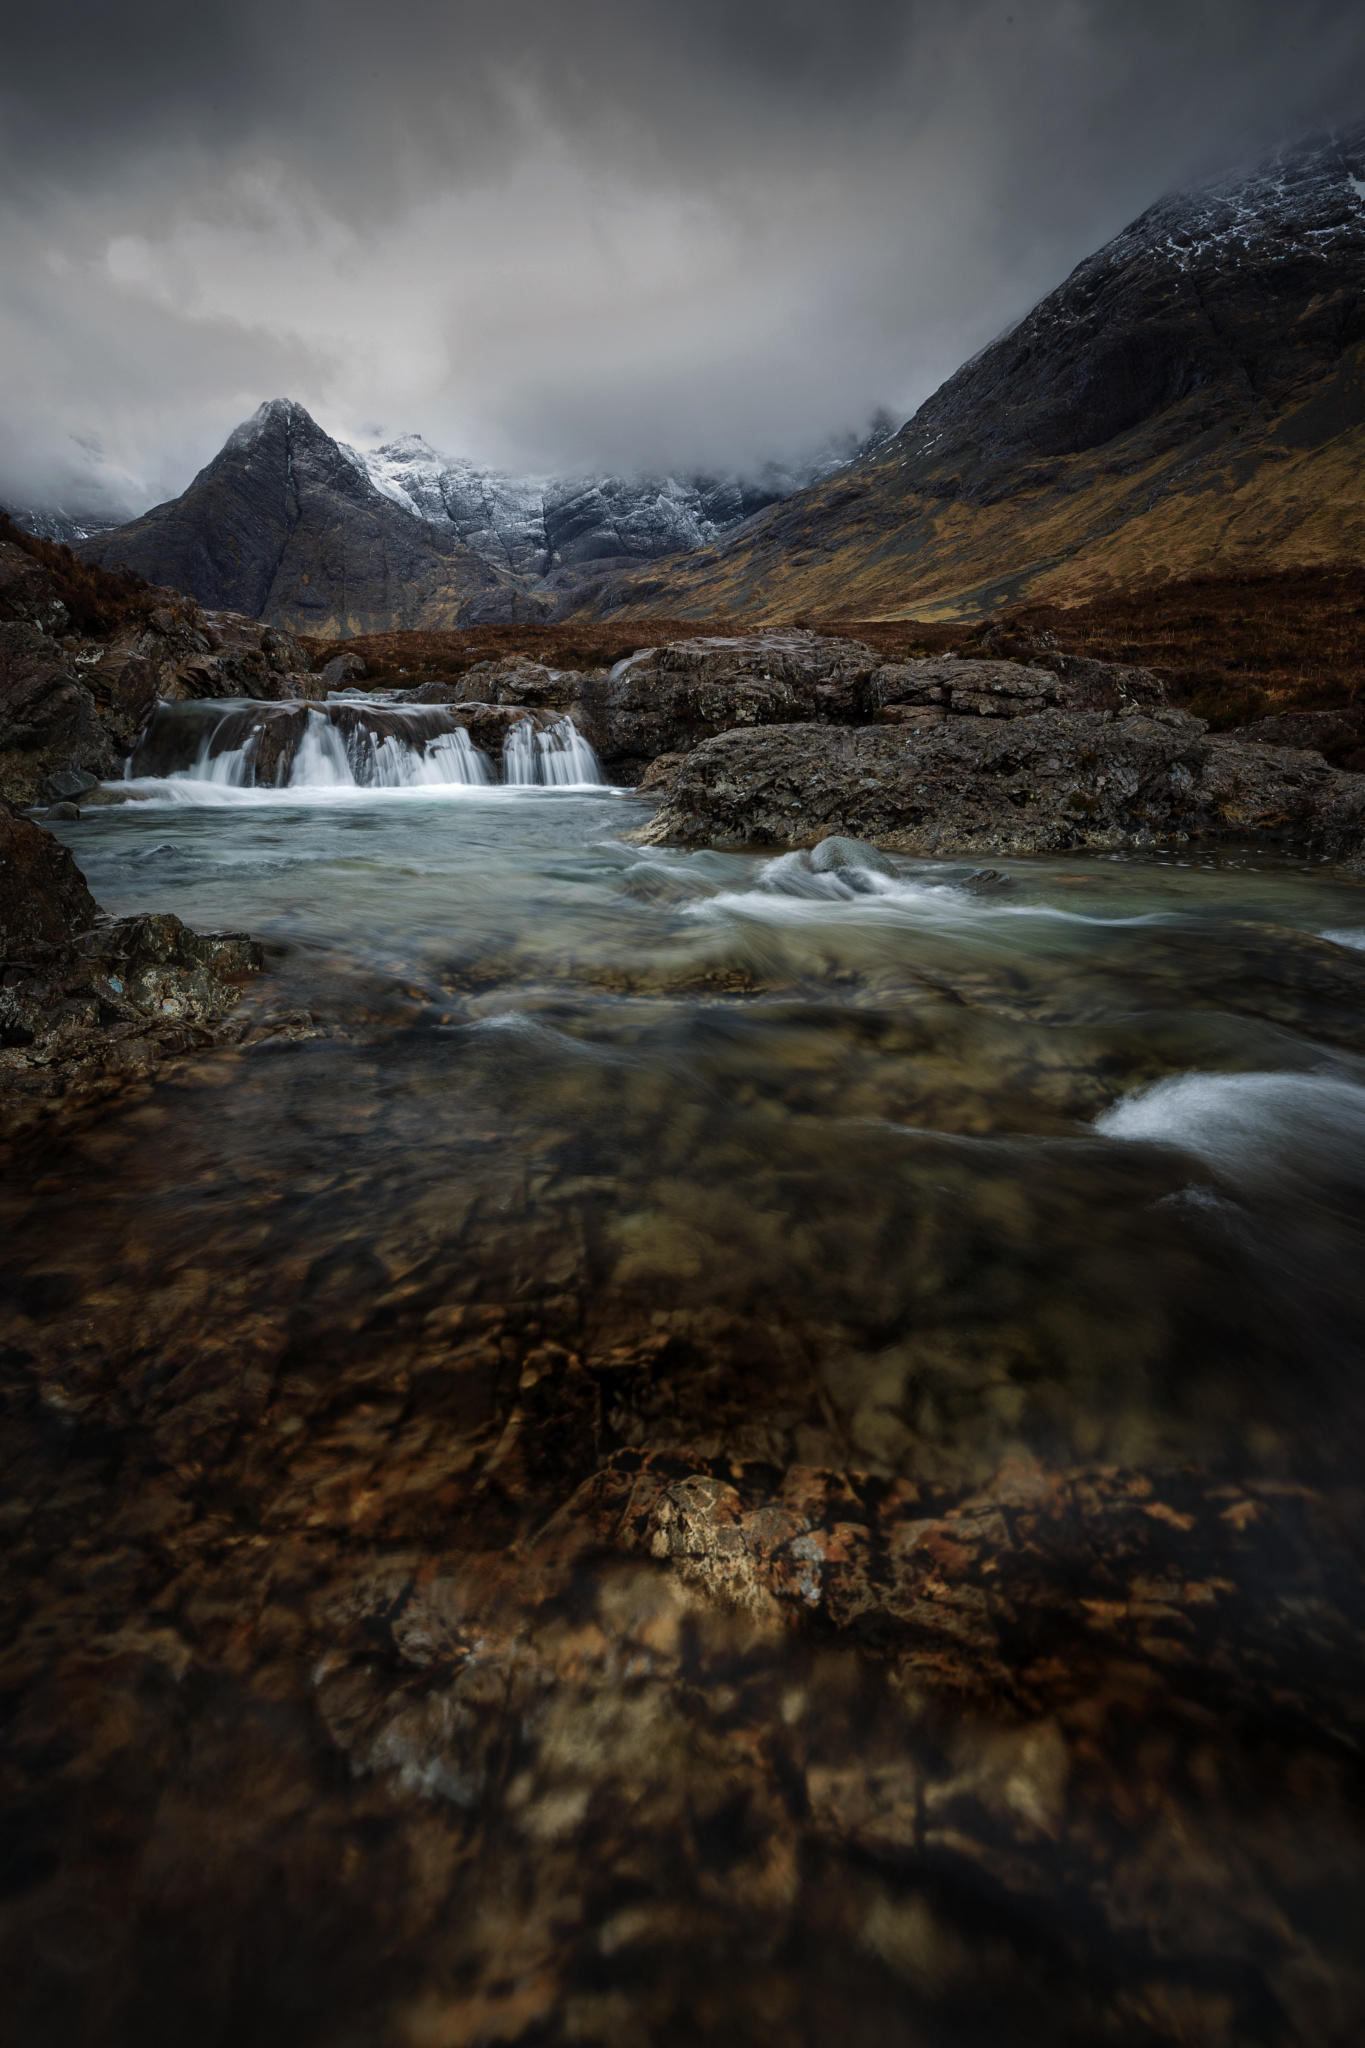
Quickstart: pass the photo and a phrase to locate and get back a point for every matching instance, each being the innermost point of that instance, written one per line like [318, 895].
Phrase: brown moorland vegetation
[417, 655]
[98, 601]
[1231, 648]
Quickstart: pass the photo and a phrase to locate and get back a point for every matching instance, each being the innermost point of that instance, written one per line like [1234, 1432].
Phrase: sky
[627, 235]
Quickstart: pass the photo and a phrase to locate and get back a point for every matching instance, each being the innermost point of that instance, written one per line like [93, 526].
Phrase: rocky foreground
[451, 1604]
[85, 656]
[88, 1003]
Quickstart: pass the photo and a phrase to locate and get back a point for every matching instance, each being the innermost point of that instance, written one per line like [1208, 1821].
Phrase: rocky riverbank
[778, 739]
[90, 1003]
[85, 655]
[954, 756]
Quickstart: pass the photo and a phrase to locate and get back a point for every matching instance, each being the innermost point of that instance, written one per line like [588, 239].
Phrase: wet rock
[660, 772]
[43, 896]
[489, 724]
[67, 784]
[85, 1002]
[342, 670]
[668, 699]
[1046, 783]
[836, 854]
[63, 813]
[48, 719]
[73, 704]
[1339, 736]
[513, 679]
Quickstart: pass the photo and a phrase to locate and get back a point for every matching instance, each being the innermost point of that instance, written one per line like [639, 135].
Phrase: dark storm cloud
[622, 232]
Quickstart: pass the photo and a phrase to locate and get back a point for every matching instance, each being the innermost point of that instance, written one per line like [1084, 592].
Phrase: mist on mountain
[612, 240]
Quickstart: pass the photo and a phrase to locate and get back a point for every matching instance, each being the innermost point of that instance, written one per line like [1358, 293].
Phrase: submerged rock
[1048, 783]
[837, 853]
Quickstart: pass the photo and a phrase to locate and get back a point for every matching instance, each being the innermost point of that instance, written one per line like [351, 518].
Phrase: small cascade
[346, 744]
[555, 756]
[246, 745]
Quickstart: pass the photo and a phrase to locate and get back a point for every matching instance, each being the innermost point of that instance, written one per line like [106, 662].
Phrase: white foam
[1354, 938]
[1257, 1129]
[183, 791]
[556, 756]
[790, 891]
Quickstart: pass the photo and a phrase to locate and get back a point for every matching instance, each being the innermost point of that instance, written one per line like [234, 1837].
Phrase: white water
[1258, 1130]
[790, 890]
[557, 757]
[334, 759]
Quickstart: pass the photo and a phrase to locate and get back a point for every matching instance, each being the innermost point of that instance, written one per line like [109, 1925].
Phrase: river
[419, 1372]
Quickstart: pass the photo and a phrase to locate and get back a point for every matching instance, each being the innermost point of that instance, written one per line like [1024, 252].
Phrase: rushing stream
[549, 1152]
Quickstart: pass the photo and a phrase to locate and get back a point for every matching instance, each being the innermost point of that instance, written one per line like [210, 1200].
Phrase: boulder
[66, 784]
[963, 687]
[513, 680]
[667, 700]
[1048, 783]
[1339, 736]
[43, 896]
[489, 724]
[837, 855]
[343, 670]
[664, 701]
[48, 719]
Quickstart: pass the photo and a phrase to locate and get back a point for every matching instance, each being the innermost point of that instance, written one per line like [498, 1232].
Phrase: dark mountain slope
[1191, 400]
[303, 531]
[285, 525]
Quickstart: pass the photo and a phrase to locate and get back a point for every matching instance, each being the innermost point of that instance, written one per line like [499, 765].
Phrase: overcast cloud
[618, 234]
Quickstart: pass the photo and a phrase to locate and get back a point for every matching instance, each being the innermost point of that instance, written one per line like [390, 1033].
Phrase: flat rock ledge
[1052, 782]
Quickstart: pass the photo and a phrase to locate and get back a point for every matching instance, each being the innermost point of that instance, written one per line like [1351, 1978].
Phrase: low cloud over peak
[621, 236]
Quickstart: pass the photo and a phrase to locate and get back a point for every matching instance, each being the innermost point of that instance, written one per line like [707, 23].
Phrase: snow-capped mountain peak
[541, 526]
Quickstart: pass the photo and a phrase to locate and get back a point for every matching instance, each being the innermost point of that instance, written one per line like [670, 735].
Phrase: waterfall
[347, 744]
[321, 758]
[556, 756]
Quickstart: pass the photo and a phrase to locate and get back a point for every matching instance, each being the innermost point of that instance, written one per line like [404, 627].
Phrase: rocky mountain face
[293, 527]
[1191, 400]
[286, 525]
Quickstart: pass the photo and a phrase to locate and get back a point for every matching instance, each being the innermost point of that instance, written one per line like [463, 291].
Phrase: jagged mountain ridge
[292, 526]
[551, 527]
[54, 522]
[1190, 400]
